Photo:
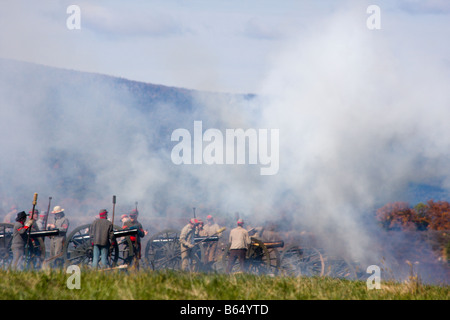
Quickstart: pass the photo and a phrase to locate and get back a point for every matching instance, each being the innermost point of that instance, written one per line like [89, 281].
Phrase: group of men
[22, 228]
[239, 243]
[197, 228]
[101, 235]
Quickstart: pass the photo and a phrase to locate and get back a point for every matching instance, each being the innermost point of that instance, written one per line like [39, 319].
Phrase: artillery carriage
[266, 255]
[299, 255]
[78, 247]
[163, 251]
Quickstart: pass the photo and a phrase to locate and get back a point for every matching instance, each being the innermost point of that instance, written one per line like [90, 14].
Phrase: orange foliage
[431, 216]
[439, 215]
[396, 215]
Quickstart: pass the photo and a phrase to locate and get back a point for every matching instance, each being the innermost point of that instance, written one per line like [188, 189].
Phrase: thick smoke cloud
[361, 117]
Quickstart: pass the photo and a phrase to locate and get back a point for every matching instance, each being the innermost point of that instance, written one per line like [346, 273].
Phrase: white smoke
[360, 117]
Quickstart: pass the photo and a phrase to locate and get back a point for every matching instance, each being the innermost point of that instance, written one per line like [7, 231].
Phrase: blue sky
[207, 45]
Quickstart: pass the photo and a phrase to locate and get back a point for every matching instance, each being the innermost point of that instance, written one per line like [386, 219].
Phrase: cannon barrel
[206, 239]
[125, 232]
[271, 244]
[196, 239]
[117, 234]
[5, 234]
[34, 234]
[44, 233]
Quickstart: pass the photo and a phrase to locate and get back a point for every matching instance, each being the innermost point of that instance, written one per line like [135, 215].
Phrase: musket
[114, 208]
[194, 213]
[48, 211]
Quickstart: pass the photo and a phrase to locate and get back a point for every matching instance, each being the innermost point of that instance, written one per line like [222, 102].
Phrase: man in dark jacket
[102, 237]
[20, 238]
[133, 223]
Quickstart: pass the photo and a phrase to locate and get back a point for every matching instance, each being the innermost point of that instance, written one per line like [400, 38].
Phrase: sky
[225, 46]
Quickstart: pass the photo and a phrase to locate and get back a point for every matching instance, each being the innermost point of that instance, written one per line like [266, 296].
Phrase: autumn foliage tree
[432, 220]
[401, 216]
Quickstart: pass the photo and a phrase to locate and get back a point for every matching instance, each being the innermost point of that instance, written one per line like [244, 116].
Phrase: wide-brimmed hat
[57, 209]
[21, 215]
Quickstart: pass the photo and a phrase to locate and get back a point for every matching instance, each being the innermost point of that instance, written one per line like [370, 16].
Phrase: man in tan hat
[62, 224]
[239, 243]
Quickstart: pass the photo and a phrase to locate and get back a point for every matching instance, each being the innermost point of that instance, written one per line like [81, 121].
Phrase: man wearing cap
[124, 218]
[211, 228]
[133, 223]
[102, 237]
[20, 238]
[239, 243]
[62, 224]
[40, 219]
[187, 243]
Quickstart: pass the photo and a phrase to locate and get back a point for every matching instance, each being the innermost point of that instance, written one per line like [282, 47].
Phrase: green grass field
[145, 285]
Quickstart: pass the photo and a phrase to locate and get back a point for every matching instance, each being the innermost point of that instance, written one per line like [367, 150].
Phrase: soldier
[124, 218]
[187, 242]
[102, 237]
[211, 228]
[132, 223]
[62, 224]
[41, 219]
[239, 243]
[20, 238]
[200, 231]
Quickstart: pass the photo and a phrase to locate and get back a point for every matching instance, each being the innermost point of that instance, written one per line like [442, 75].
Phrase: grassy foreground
[120, 285]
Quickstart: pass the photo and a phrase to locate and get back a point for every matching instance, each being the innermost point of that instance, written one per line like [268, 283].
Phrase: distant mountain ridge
[46, 91]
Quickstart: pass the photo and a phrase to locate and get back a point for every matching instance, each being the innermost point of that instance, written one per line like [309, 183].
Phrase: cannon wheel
[5, 245]
[259, 259]
[167, 254]
[78, 249]
[31, 262]
[339, 268]
[296, 261]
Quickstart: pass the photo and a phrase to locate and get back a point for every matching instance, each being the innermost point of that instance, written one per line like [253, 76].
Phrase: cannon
[262, 257]
[163, 251]
[35, 254]
[78, 248]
